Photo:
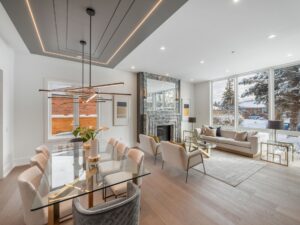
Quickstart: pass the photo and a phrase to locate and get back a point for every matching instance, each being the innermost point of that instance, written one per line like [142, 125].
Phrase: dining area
[64, 182]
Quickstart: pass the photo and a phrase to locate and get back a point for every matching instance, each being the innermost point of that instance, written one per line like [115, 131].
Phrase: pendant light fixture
[89, 92]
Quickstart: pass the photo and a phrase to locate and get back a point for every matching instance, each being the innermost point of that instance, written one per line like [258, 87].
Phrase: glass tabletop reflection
[70, 174]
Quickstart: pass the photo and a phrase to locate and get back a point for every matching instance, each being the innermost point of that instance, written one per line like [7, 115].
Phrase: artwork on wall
[186, 109]
[121, 110]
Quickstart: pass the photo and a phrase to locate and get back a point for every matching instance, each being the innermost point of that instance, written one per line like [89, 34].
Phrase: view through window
[287, 101]
[223, 102]
[253, 100]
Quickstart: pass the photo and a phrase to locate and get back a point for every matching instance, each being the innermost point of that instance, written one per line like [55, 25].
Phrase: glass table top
[70, 174]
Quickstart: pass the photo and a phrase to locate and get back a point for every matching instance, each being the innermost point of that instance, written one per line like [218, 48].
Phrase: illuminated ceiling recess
[54, 28]
[89, 93]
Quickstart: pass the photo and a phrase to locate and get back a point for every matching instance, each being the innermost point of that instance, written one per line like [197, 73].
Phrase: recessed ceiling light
[289, 55]
[272, 36]
[162, 48]
[202, 61]
[227, 71]
[132, 67]
[236, 1]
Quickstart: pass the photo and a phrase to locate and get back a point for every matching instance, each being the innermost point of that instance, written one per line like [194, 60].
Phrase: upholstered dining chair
[177, 156]
[112, 166]
[44, 150]
[110, 152]
[40, 161]
[121, 211]
[32, 189]
[149, 145]
[137, 157]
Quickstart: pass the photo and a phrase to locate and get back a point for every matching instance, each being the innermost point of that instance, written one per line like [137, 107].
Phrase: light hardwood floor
[271, 196]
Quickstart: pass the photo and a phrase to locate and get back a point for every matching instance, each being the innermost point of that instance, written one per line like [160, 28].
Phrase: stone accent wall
[148, 121]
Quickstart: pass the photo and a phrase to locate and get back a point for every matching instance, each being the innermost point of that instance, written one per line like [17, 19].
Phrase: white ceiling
[210, 30]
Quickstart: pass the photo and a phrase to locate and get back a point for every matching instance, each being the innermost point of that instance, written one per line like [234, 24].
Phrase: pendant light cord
[90, 50]
[82, 60]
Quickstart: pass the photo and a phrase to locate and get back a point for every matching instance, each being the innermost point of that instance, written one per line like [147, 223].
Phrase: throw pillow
[250, 134]
[218, 131]
[210, 132]
[240, 136]
[156, 139]
[178, 143]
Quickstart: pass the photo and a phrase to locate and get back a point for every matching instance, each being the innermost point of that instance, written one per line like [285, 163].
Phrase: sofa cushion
[240, 136]
[251, 134]
[228, 133]
[210, 139]
[229, 141]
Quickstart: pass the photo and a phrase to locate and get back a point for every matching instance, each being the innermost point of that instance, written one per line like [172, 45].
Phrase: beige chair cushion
[240, 136]
[148, 144]
[121, 150]
[44, 150]
[109, 167]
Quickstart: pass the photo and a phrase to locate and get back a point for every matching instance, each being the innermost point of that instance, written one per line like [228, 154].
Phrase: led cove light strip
[96, 62]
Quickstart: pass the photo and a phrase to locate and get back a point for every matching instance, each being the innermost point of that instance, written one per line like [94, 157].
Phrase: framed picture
[186, 109]
[121, 110]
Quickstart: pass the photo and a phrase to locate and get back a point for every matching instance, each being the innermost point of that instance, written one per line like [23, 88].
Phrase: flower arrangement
[87, 133]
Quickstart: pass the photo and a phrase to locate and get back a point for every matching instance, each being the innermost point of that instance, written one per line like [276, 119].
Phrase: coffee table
[206, 147]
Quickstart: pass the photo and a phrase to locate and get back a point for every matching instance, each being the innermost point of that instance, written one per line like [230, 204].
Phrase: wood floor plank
[269, 197]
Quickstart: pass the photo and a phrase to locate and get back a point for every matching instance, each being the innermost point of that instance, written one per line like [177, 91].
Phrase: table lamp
[275, 125]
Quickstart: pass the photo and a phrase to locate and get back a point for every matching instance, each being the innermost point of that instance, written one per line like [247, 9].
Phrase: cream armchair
[148, 145]
[177, 156]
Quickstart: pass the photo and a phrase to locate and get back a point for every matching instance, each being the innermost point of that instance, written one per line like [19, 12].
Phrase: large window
[62, 116]
[223, 102]
[287, 97]
[253, 100]
[287, 102]
[88, 114]
[66, 113]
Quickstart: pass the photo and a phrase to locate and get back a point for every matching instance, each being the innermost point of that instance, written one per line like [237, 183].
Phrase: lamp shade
[275, 124]
[192, 119]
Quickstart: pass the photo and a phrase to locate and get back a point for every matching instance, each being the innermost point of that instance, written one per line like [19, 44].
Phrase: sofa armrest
[255, 143]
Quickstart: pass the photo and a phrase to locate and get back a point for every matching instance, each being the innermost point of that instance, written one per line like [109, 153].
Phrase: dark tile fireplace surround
[165, 124]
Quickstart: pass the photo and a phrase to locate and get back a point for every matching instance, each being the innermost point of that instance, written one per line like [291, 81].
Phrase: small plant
[87, 133]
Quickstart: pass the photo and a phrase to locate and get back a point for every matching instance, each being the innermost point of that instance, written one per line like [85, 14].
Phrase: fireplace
[164, 132]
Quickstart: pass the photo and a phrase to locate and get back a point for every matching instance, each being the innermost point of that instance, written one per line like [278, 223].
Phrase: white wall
[202, 103]
[7, 145]
[187, 92]
[31, 73]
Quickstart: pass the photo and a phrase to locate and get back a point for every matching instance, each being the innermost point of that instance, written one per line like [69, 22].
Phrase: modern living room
[150, 112]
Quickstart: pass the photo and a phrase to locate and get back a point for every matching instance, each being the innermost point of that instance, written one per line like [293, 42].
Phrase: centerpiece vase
[94, 150]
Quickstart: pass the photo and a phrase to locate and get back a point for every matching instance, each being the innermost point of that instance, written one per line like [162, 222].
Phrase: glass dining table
[70, 174]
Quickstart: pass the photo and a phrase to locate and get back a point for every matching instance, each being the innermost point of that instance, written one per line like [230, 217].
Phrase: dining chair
[112, 166]
[137, 157]
[44, 150]
[149, 145]
[121, 211]
[40, 161]
[109, 150]
[32, 188]
[177, 156]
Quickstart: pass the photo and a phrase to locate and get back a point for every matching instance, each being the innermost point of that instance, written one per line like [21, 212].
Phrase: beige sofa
[250, 147]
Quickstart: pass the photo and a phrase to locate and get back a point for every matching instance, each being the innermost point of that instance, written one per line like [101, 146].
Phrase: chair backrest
[40, 161]
[137, 156]
[174, 154]
[121, 150]
[44, 150]
[28, 182]
[121, 211]
[111, 144]
[147, 144]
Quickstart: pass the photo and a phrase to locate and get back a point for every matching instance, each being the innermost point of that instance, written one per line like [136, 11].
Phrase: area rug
[230, 168]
